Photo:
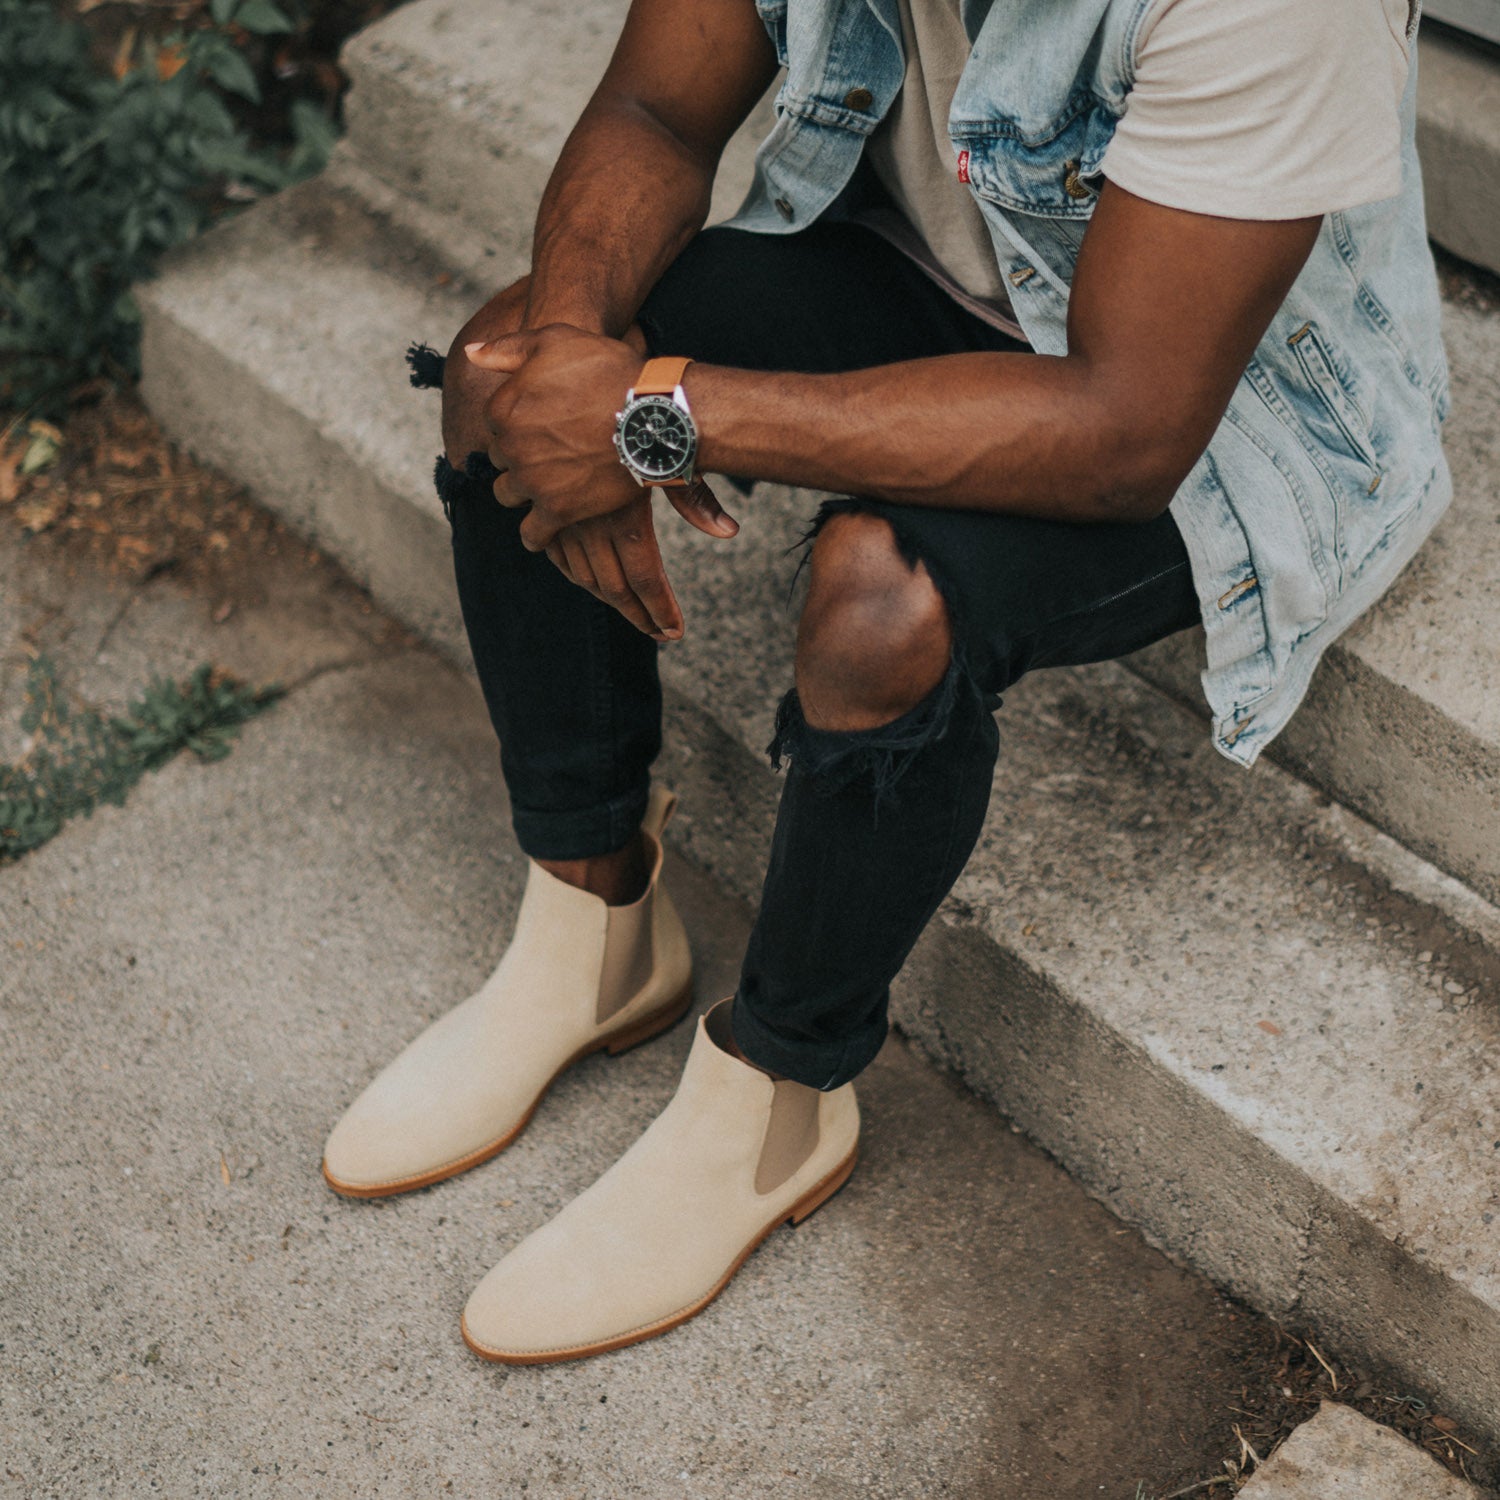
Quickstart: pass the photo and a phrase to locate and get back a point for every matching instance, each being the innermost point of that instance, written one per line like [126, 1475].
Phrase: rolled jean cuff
[582, 833]
[819, 1065]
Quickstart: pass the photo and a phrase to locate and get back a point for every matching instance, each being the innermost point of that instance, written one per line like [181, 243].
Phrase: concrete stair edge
[1458, 133]
[310, 441]
[1382, 750]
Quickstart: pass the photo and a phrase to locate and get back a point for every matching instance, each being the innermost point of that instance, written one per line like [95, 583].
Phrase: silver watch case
[633, 436]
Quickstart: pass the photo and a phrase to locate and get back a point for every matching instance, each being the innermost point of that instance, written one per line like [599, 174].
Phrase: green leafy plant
[78, 758]
[102, 173]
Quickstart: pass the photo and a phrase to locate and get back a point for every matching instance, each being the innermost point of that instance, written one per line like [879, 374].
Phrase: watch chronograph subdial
[658, 438]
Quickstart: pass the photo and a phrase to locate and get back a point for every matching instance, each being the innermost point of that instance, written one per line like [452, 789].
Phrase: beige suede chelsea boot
[658, 1237]
[579, 977]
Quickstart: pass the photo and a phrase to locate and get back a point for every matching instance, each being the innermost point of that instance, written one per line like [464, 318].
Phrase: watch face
[658, 437]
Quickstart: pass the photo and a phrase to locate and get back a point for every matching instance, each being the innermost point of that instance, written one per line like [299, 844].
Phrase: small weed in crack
[77, 757]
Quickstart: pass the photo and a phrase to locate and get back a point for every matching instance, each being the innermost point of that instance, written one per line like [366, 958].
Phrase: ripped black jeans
[874, 827]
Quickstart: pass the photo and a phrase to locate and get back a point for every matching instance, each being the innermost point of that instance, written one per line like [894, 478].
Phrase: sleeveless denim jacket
[1326, 472]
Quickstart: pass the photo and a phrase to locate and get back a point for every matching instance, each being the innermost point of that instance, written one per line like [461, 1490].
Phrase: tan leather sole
[810, 1201]
[643, 1030]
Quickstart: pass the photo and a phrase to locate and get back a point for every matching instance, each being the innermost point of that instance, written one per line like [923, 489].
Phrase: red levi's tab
[963, 166]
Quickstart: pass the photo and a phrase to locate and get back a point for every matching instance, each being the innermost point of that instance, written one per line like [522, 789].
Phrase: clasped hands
[551, 426]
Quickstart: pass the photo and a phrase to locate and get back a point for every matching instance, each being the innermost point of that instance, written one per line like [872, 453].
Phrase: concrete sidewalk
[193, 985]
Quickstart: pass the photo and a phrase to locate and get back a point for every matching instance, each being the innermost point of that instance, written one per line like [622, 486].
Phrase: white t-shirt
[1262, 109]
[1276, 109]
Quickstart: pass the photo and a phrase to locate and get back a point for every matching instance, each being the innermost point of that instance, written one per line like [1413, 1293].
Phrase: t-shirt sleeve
[1265, 109]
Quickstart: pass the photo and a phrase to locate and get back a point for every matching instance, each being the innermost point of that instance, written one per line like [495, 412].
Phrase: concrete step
[1340, 1455]
[444, 108]
[1459, 113]
[1203, 990]
[1404, 720]
[274, 347]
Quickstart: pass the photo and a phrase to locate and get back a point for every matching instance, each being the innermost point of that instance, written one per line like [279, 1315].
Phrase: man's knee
[875, 638]
[466, 388]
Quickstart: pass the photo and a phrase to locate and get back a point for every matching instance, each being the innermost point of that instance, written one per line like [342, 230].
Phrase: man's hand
[466, 388]
[616, 559]
[552, 422]
[552, 425]
[633, 554]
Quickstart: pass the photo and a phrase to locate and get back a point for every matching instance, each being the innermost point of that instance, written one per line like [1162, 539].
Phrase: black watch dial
[658, 437]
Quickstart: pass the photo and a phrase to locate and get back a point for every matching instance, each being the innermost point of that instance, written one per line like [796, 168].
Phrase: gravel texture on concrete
[192, 986]
[1340, 1455]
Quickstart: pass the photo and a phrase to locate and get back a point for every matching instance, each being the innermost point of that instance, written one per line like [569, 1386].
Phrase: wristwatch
[655, 434]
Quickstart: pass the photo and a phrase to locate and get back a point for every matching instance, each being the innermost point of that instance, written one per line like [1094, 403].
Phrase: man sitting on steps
[1103, 318]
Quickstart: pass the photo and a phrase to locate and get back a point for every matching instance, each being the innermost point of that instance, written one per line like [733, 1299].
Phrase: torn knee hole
[878, 757]
[875, 636]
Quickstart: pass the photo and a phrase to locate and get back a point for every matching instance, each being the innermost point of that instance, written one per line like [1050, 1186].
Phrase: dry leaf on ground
[44, 445]
[41, 511]
[11, 483]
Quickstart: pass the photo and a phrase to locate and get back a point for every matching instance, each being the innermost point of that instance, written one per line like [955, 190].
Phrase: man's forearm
[632, 185]
[1109, 431]
[1020, 433]
[625, 198]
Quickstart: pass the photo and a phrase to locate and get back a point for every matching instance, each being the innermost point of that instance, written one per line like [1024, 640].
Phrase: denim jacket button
[858, 99]
[1072, 185]
[784, 208]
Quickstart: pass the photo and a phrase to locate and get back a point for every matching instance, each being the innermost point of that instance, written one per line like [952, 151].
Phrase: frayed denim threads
[426, 366]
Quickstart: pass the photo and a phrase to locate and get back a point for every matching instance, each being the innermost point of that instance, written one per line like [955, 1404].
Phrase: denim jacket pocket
[1047, 171]
[1350, 426]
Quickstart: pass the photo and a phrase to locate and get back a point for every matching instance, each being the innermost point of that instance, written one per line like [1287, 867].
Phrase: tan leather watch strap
[660, 377]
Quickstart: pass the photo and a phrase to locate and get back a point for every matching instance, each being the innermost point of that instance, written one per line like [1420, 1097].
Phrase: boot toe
[373, 1148]
[466, 1086]
[393, 1136]
[550, 1298]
